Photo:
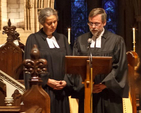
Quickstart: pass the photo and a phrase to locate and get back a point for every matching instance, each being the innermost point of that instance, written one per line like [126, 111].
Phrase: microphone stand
[91, 76]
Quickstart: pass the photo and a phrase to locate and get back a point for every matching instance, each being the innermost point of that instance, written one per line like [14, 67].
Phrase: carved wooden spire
[35, 97]
[11, 33]
[35, 66]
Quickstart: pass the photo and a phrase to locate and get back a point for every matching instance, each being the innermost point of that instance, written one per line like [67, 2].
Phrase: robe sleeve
[75, 88]
[116, 80]
[27, 51]
[28, 47]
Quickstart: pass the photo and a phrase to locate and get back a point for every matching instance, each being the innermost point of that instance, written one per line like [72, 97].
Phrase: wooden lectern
[88, 69]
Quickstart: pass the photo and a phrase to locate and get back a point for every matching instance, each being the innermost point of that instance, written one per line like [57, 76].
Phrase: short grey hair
[96, 11]
[46, 12]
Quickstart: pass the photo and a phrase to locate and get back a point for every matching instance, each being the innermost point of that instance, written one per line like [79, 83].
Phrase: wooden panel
[11, 59]
[9, 109]
[132, 61]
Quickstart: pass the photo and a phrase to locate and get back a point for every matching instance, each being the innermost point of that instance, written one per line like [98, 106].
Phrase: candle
[134, 39]
[69, 35]
[133, 35]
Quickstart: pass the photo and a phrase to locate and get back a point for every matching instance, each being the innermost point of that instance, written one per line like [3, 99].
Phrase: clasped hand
[56, 85]
[97, 88]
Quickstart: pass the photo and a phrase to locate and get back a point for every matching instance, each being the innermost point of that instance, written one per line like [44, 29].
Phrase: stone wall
[15, 12]
[23, 14]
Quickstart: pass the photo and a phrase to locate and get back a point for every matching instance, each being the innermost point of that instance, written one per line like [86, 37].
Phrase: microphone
[89, 42]
[89, 49]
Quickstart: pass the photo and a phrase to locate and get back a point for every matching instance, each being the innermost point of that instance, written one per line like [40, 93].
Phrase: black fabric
[55, 67]
[116, 81]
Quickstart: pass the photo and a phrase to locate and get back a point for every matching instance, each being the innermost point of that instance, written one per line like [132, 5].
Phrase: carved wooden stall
[132, 58]
[34, 100]
[11, 58]
[11, 54]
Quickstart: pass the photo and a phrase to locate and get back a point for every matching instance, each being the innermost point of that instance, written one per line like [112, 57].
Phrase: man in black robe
[107, 91]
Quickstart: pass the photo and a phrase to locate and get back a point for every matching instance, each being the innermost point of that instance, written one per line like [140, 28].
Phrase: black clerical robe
[110, 99]
[55, 67]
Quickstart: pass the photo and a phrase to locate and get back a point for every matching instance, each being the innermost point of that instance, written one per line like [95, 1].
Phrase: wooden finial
[10, 31]
[35, 96]
[35, 66]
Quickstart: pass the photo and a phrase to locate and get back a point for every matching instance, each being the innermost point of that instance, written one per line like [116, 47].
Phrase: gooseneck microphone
[89, 51]
[89, 42]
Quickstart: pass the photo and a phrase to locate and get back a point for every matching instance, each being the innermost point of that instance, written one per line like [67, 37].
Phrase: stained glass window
[110, 8]
[78, 18]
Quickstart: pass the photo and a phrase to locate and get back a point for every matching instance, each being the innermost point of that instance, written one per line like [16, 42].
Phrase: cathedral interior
[124, 19]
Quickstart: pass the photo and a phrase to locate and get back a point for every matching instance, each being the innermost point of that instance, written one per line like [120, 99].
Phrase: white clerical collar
[98, 41]
[52, 42]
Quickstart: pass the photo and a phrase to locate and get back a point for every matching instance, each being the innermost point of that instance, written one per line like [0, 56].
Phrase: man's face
[96, 25]
[50, 24]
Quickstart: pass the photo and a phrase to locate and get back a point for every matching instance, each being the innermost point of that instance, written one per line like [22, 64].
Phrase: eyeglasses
[92, 23]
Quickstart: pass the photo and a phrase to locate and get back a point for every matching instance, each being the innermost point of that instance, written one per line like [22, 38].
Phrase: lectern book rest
[78, 65]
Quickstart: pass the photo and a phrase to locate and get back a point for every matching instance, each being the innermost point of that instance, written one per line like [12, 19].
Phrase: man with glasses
[108, 90]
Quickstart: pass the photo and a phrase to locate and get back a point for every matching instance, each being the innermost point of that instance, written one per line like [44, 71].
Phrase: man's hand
[56, 85]
[97, 88]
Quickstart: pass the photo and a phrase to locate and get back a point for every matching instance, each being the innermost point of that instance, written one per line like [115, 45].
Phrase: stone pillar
[49, 3]
[3, 13]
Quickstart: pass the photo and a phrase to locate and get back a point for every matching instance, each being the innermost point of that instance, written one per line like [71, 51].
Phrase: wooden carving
[11, 54]
[11, 33]
[35, 96]
[17, 98]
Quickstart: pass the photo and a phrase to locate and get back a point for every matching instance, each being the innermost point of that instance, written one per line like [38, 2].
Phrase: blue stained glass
[78, 18]
[110, 8]
[79, 3]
